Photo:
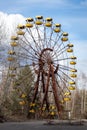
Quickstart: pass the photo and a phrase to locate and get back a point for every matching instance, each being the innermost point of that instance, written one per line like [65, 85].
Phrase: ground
[43, 125]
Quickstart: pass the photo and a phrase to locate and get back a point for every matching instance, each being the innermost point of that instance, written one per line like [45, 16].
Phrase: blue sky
[72, 14]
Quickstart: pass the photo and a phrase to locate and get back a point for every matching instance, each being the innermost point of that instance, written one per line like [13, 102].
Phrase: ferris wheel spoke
[59, 46]
[66, 75]
[65, 67]
[44, 37]
[57, 41]
[64, 81]
[24, 48]
[61, 51]
[59, 86]
[50, 38]
[34, 41]
[39, 38]
[63, 59]
[29, 44]
[46, 45]
[63, 37]
[28, 51]
[26, 57]
[64, 48]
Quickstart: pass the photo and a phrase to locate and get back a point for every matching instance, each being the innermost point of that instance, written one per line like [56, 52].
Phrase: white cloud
[10, 22]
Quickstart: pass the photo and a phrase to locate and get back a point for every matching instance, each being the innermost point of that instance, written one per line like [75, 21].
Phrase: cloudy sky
[72, 14]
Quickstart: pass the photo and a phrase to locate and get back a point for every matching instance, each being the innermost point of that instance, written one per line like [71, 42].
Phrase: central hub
[49, 61]
[45, 56]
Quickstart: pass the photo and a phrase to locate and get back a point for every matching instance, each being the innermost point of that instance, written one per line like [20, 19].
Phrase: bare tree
[83, 92]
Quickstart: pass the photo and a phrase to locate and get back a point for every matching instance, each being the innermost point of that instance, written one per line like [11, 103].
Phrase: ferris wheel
[45, 48]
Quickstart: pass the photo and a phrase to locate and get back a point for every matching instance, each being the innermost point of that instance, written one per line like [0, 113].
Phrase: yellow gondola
[70, 45]
[52, 107]
[14, 44]
[14, 38]
[72, 82]
[32, 104]
[48, 22]
[67, 99]
[11, 52]
[69, 50]
[39, 17]
[71, 87]
[52, 113]
[23, 95]
[20, 26]
[49, 19]
[29, 25]
[32, 111]
[29, 20]
[22, 102]
[73, 75]
[72, 62]
[65, 34]
[20, 32]
[58, 25]
[67, 93]
[73, 70]
[73, 57]
[10, 58]
[57, 28]
[64, 39]
[38, 22]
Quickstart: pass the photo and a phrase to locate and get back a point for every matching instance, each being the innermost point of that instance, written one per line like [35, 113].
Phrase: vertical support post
[46, 90]
[43, 84]
[55, 91]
